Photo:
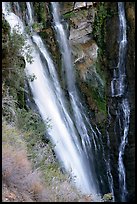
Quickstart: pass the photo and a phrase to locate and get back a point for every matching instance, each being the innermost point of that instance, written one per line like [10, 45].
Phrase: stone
[107, 197]
[90, 4]
[66, 7]
[79, 5]
[81, 34]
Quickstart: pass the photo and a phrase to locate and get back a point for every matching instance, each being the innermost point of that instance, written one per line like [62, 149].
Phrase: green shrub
[31, 122]
[69, 15]
[99, 27]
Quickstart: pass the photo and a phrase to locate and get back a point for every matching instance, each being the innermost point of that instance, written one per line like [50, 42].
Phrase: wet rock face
[66, 7]
[81, 25]
[85, 55]
[112, 59]
[130, 67]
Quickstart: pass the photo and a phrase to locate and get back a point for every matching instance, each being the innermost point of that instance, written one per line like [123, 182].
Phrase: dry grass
[23, 184]
[17, 172]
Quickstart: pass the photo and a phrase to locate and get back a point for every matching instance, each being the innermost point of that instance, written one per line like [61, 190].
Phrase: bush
[17, 173]
[30, 122]
[49, 185]
[99, 27]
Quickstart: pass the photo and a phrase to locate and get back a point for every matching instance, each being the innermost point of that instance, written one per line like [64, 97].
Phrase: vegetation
[40, 14]
[15, 166]
[99, 33]
[107, 197]
[42, 179]
[104, 12]
[13, 64]
[69, 15]
[99, 24]
[37, 27]
[101, 103]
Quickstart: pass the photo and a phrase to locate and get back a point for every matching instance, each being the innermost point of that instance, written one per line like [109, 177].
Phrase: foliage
[50, 167]
[107, 197]
[31, 122]
[8, 105]
[40, 12]
[46, 183]
[14, 47]
[99, 33]
[15, 166]
[101, 103]
[69, 15]
[11, 136]
[37, 27]
[99, 94]
[99, 28]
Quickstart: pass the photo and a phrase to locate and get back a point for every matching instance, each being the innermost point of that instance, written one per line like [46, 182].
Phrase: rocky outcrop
[85, 55]
[81, 25]
[79, 5]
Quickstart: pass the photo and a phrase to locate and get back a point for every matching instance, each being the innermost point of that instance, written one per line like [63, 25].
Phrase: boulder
[79, 5]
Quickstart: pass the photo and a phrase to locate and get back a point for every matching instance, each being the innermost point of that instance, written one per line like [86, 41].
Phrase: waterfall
[124, 139]
[77, 143]
[118, 89]
[68, 134]
[118, 82]
[109, 174]
[81, 121]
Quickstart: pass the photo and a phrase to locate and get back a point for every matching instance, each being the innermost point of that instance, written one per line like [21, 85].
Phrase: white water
[17, 9]
[51, 103]
[109, 174]
[118, 89]
[76, 105]
[124, 139]
[118, 82]
[64, 47]
[78, 111]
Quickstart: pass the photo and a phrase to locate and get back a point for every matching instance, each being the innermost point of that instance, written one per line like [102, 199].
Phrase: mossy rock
[107, 197]
[66, 7]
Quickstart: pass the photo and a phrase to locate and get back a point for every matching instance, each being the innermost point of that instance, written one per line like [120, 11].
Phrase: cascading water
[67, 68]
[76, 105]
[72, 151]
[118, 89]
[124, 139]
[118, 82]
[70, 79]
[82, 150]
[108, 159]
[77, 144]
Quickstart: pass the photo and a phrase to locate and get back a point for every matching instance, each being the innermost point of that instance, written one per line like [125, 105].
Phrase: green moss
[69, 15]
[101, 103]
[99, 26]
[107, 197]
[40, 12]
[52, 171]
[37, 27]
